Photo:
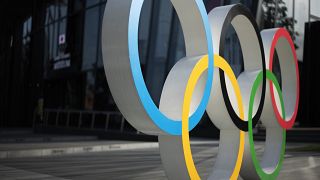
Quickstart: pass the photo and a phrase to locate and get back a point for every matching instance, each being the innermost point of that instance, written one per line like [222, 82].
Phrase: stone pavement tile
[8, 173]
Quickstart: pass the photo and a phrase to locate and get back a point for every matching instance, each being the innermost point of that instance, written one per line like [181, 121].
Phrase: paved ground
[302, 162]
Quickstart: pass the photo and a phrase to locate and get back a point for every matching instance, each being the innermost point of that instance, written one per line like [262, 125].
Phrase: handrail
[81, 113]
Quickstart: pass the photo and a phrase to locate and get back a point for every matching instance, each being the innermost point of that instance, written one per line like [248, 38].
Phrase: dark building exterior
[51, 69]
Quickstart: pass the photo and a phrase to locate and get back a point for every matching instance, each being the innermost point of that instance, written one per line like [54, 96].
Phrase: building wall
[57, 59]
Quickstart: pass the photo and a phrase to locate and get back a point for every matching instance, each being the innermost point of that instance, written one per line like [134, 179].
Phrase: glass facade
[54, 52]
[302, 11]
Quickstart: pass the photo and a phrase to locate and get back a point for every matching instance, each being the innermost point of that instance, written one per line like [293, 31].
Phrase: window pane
[90, 38]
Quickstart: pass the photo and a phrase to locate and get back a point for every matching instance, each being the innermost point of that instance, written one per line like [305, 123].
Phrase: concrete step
[20, 150]
[23, 150]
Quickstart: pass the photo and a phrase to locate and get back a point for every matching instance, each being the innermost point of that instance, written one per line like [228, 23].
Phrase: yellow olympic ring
[199, 68]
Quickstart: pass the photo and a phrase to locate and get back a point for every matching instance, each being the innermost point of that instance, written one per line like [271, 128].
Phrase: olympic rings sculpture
[204, 81]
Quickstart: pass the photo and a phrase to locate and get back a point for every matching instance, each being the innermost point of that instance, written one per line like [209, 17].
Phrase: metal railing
[82, 119]
[88, 120]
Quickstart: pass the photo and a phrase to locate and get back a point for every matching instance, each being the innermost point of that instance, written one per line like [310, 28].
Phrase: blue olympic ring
[173, 127]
